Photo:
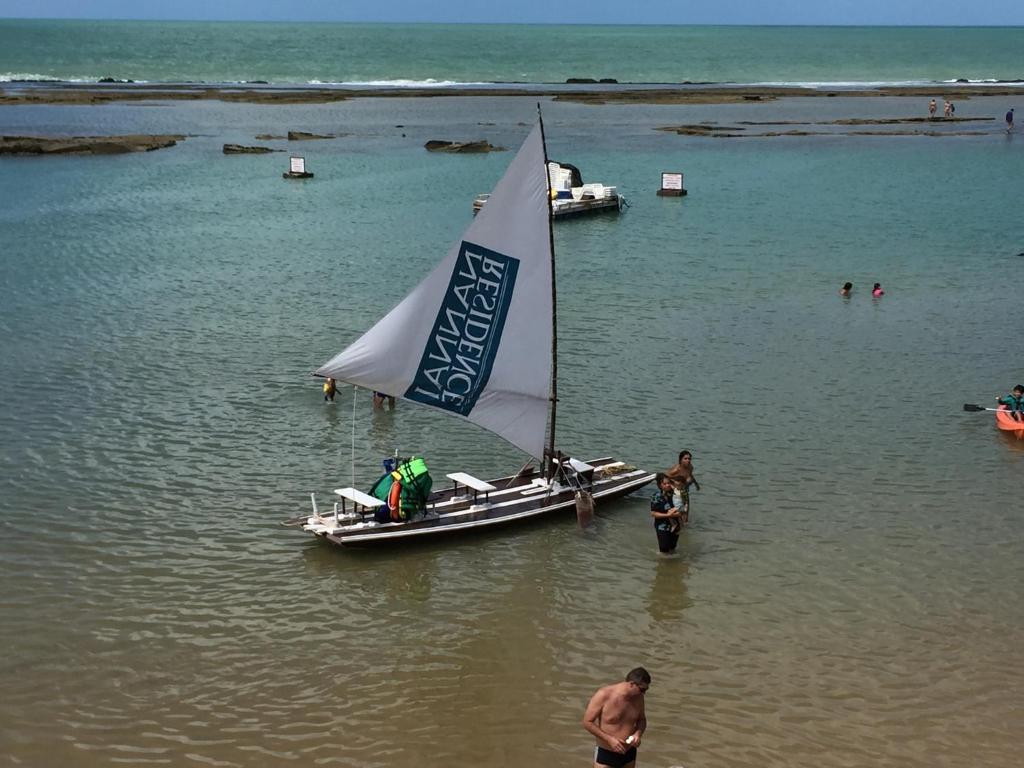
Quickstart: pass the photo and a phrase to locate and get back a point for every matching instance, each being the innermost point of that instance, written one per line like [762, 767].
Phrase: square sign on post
[671, 184]
[297, 169]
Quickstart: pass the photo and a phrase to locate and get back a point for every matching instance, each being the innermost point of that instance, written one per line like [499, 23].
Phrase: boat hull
[570, 208]
[519, 499]
[1006, 423]
[567, 209]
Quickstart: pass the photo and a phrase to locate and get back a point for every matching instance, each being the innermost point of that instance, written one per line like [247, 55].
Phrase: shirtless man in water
[615, 716]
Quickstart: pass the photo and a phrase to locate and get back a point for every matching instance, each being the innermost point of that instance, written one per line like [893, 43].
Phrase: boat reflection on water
[1011, 439]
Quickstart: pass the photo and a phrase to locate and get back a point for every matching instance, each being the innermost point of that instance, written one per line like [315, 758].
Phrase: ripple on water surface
[846, 591]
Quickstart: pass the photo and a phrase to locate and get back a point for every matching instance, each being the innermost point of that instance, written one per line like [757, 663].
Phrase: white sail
[474, 338]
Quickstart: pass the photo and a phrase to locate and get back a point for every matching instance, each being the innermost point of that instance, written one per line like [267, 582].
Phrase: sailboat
[475, 339]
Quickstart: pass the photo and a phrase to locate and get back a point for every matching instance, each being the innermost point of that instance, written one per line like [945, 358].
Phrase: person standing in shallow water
[846, 290]
[932, 106]
[1009, 121]
[616, 718]
[682, 478]
[666, 516]
[330, 389]
[379, 398]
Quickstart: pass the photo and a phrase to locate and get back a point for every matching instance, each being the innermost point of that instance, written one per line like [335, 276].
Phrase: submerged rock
[239, 149]
[303, 136]
[898, 120]
[464, 147]
[84, 145]
[702, 129]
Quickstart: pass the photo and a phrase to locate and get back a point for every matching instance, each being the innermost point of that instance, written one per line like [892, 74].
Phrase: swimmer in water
[877, 290]
[846, 290]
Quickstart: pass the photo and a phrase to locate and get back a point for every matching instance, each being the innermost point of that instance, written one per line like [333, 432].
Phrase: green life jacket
[416, 484]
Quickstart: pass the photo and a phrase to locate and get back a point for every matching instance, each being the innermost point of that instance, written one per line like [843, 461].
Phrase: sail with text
[474, 338]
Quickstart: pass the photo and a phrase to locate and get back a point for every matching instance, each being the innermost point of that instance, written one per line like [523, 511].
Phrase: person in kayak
[1014, 402]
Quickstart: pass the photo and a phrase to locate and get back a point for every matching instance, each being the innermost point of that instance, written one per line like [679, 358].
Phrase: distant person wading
[330, 390]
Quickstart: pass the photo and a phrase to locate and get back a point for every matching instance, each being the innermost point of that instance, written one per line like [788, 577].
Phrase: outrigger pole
[547, 471]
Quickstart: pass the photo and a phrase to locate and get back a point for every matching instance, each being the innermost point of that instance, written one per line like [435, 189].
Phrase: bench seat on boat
[358, 497]
[475, 484]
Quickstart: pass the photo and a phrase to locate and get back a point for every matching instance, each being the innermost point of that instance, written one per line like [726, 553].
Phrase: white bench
[358, 497]
[580, 466]
[474, 484]
[321, 523]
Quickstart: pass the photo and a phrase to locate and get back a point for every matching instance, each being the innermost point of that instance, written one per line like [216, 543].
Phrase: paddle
[972, 408]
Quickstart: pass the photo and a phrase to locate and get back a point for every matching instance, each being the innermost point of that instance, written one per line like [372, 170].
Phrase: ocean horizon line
[29, 79]
[503, 24]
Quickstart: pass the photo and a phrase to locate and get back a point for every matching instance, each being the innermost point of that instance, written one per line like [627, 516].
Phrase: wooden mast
[547, 471]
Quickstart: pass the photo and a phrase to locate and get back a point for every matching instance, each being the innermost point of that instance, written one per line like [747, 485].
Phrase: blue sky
[897, 12]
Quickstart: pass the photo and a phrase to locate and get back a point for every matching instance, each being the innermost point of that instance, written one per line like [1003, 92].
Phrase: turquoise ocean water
[85, 51]
[848, 593]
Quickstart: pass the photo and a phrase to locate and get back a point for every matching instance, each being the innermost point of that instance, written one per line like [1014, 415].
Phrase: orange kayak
[1006, 422]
